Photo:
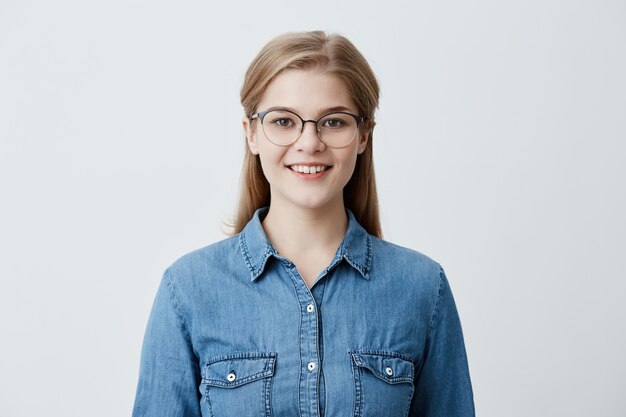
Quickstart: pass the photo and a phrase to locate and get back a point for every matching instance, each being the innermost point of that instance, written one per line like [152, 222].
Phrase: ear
[363, 138]
[250, 136]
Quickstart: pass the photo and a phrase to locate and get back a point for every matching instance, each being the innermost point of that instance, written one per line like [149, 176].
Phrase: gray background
[499, 152]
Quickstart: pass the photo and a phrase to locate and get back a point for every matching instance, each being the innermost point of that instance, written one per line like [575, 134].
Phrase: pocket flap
[391, 367]
[230, 371]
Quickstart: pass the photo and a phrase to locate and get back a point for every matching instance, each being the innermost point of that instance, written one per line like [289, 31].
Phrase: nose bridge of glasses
[315, 126]
[313, 140]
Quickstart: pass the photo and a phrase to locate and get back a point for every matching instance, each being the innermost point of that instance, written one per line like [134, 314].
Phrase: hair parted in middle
[336, 55]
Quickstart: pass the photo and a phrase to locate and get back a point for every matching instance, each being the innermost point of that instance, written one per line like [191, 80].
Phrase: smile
[304, 169]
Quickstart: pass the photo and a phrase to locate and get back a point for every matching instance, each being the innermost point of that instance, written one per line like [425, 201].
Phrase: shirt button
[311, 366]
[310, 308]
[231, 376]
[389, 371]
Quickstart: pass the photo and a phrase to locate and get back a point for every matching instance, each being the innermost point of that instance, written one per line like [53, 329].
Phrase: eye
[283, 122]
[335, 121]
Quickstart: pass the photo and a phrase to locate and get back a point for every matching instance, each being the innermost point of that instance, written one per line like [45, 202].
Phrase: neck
[300, 230]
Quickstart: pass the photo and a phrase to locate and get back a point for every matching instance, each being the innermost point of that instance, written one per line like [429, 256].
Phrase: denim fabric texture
[235, 332]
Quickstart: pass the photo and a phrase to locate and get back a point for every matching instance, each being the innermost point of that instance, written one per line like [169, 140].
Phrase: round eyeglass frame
[261, 115]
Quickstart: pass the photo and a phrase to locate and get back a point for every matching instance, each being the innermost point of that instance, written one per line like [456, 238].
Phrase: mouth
[309, 169]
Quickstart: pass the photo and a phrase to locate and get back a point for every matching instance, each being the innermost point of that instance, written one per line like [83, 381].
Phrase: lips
[308, 169]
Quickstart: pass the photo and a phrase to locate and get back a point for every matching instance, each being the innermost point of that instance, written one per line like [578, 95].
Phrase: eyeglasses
[284, 127]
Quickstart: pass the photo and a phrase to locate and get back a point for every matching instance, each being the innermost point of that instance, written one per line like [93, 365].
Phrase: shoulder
[407, 266]
[402, 257]
[209, 262]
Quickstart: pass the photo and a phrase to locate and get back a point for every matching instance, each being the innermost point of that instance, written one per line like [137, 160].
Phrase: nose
[309, 141]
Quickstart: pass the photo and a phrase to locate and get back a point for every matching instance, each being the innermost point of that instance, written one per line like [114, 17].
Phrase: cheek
[270, 160]
[348, 167]
[266, 165]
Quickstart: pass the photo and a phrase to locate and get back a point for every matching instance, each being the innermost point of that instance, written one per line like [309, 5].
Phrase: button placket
[309, 347]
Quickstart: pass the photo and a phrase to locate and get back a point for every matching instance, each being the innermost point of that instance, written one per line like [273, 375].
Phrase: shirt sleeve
[442, 382]
[169, 374]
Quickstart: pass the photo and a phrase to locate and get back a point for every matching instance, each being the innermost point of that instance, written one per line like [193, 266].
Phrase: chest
[342, 348]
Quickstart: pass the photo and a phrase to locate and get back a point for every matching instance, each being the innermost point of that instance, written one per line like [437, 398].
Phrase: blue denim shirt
[235, 331]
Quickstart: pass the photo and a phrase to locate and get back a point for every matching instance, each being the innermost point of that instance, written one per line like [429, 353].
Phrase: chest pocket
[383, 383]
[238, 385]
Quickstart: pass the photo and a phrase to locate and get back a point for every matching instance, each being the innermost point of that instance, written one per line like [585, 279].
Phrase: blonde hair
[336, 55]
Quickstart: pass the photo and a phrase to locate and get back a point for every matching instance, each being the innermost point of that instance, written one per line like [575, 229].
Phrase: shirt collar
[356, 247]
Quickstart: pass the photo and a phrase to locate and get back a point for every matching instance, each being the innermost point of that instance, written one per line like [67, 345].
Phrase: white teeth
[305, 169]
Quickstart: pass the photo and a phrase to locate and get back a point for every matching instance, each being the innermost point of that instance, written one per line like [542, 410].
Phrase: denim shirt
[235, 332]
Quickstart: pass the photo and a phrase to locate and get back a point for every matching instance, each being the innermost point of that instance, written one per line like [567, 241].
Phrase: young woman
[305, 311]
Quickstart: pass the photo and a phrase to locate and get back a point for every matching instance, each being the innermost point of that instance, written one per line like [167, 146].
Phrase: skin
[306, 220]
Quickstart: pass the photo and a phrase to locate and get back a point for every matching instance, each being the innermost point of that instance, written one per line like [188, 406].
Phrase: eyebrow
[320, 112]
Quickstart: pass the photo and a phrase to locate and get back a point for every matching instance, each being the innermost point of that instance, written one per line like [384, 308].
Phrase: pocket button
[389, 371]
[231, 376]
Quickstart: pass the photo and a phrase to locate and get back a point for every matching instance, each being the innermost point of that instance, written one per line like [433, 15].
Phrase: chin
[314, 202]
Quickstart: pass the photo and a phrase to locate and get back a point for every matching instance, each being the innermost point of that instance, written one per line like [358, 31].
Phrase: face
[310, 93]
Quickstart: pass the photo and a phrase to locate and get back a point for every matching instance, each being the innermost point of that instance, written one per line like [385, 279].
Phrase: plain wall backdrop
[499, 152]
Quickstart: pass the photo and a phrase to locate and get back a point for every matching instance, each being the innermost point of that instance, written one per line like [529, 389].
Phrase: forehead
[308, 91]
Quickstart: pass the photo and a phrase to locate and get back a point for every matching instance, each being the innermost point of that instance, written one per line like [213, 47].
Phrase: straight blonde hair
[337, 55]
